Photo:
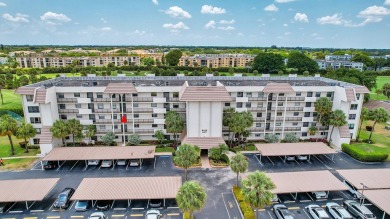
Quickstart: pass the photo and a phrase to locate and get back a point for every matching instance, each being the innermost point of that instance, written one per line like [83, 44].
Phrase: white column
[276, 110]
[284, 116]
[132, 111]
[112, 115]
[266, 111]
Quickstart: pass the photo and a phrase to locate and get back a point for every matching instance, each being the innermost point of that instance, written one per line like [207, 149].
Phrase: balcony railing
[287, 128]
[296, 98]
[178, 109]
[106, 121]
[141, 120]
[66, 100]
[173, 99]
[281, 108]
[288, 119]
[140, 99]
[106, 110]
[105, 100]
[68, 110]
[256, 129]
[254, 109]
[257, 98]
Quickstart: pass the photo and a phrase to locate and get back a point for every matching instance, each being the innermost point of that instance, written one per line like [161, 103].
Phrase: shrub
[134, 139]
[271, 138]
[245, 207]
[33, 147]
[365, 153]
[22, 144]
[17, 110]
[291, 138]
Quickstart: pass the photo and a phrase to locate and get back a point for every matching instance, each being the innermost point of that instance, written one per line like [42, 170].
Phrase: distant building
[324, 64]
[345, 57]
[217, 60]
[380, 57]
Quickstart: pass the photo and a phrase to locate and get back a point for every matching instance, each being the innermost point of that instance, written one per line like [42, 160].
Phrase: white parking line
[270, 215]
[318, 159]
[305, 210]
[73, 166]
[224, 202]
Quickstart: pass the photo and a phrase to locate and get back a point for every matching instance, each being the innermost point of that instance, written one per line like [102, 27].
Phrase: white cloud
[227, 28]
[335, 19]
[209, 9]
[139, 32]
[52, 18]
[240, 34]
[285, 25]
[373, 14]
[227, 22]
[301, 17]
[314, 34]
[271, 7]
[210, 25]
[177, 12]
[2, 4]
[103, 20]
[105, 29]
[284, 1]
[18, 18]
[387, 2]
[176, 27]
[155, 2]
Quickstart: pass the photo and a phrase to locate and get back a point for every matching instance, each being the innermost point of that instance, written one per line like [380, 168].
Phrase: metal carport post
[28, 207]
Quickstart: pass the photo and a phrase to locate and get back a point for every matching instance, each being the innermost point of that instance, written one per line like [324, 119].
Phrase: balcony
[288, 119]
[104, 100]
[140, 110]
[83, 100]
[159, 110]
[279, 98]
[296, 98]
[281, 108]
[140, 99]
[178, 109]
[105, 131]
[107, 110]
[287, 128]
[256, 129]
[85, 111]
[159, 100]
[66, 100]
[173, 99]
[255, 109]
[259, 119]
[144, 131]
[68, 110]
[257, 98]
[86, 122]
[107, 121]
[141, 121]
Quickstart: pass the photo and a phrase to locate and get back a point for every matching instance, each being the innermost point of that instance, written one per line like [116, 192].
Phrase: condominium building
[323, 64]
[345, 57]
[217, 60]
[138, 105]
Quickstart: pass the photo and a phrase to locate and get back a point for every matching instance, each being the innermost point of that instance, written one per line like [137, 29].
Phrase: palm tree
[8, 126]
[191, 197]
[256, 190]
[174, 123]
[186, 156]
[378, 91]
[322, 106]
[312, 130]
[337, 119]
[226, 120]
[364, 115]
[239, 164]
[26, 130]
[60, 129]
[75, 128]
[90, 132]
[379, 115]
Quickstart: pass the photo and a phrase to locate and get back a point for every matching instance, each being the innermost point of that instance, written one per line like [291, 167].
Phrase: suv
[103, 205]
[63, 198]
[352, 190]
[317, 212]
[282, 212]
[359, 211]
[153, 214]
[49, 165]
[337, 211]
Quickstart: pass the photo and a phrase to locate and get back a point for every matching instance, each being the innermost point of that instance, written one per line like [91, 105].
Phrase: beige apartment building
[217, 60]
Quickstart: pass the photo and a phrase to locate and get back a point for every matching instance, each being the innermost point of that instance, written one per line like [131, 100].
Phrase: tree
[191, 197]
[280, 73]
[216, 153]
[173, 57]
[174, 123]
[256, 190]
[159, 134]
[271, 138]
[312, 130]
[379, 115]
[8, 126]
[306, 73]
[268, 62]
[364, 115]
[290, 138]
[148, 62]
[337, 119]
[2, 85]
[25, 130]
[75, 128]
[302, 62]
[227, 120]
[378, 92]
[186, 156]
[108, 139]
[90, 132]
[239, 164]
[386, 90]
[255, 72]
[60, 129]
[240, 121]
[134, 139]
[360, 57]
[323, 106]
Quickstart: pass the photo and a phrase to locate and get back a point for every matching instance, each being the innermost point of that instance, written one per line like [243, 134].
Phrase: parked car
[134, 163]
[103, 205]
[106, 163]
[275, 198]
[337, 211]
[49, 165]
[302, 157]
[320, 195]
[63, 198]
[5, 206]
[353, 190]
[97, 215]
[155, 203]
[81, 206]
[282, 212]
[153, 214]
[121, 162]
[93, 162]
[359, 211]
[290, 158]
[317, 212]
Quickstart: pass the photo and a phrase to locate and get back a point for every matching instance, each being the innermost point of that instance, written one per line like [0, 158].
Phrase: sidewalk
[10, 158]
[205, 161]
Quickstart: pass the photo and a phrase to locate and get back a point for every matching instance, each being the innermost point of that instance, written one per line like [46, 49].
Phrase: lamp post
[362, 199]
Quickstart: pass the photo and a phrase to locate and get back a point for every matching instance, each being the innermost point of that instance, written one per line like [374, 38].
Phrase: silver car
[302, 157]
[337, 211]
[317, 212]
[97, 215]
[353, 190]
[282, 212]
[359, 211]
[106, 163]
[153, 214]
[320, 195]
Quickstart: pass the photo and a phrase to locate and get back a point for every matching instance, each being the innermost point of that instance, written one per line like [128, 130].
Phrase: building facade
[217, 60]
[324, 64]
[345, 57]
[279, 105]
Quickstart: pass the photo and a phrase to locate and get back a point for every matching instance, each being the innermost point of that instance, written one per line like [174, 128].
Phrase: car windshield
[370, 216]
[81, 204]
[62, 198]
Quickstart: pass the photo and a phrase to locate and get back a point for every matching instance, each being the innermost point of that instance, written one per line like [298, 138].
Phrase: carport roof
[26, 189]
[380, 198]
[306, 181]
[283, 149]
[372, 178]
[128, 188]
[100, 153]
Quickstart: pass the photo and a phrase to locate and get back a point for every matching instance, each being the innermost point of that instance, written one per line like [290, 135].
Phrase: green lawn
[380, 137]
[11, 100]
[380, 81]
[18, 164]
[5, 148]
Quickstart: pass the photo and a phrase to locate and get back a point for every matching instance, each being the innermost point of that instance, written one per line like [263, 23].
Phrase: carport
[26, 190]
[304, 182]
[100, 153]
[380, 198]
[294, 149]
[127, 188]
[370, 178]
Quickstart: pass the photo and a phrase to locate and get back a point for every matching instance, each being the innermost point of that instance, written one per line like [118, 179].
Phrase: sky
[258, 23]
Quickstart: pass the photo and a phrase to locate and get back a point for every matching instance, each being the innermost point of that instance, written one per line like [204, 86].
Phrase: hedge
[18, 111]
[245, 207]
[374, 154]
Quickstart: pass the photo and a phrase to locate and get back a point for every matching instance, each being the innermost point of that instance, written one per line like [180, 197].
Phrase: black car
[49, 165]
[155, 203]
[103, 205]
[63, 198]
[5, 206]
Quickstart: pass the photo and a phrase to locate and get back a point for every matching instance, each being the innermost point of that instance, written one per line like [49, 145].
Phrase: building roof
[305, 181]
[361, 90]
[40, 96]
[26, 189]
[204, 142]
[380, 198]
[344, 131]
[46, 136]
[206, 93]
[278, 88]
[350, 94]
[128, 188]
[301, 148]
[101, 153]
[25, 90]
[373, 104]
[372, 178]
[120, 88]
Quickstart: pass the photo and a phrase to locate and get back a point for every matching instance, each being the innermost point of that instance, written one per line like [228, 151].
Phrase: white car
[134, 163]
[320, 195]
[97, 215]
[275, 198]
[93, 162]
[290, 158]
[337, 211]
[106, 163]
[302, 157]
[317, 212]
[121, 162]
[153, 214]
[352, 190]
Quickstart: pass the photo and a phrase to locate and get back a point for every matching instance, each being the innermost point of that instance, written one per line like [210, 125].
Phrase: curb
[242, 215]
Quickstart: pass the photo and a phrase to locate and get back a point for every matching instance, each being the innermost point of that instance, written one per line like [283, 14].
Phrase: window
[115, 116]
[64, 117]
[352, 116]
[175, 105]
[135, 95]
[136, 125]
[313, 124]
[309, 94]
[258, 135]
[278, 124]
[61, 106]
[304, 134]
[135, 105]
[33, 109]
[60, 95]
[154, 125]
[248, 94]
[115, 126]
[240, 94]
[308, 104]
[351, 126]
[315, 114]
[100, 106]
[239, 105]
[329, 94]
[36, 141]
[29, 98]
[154, 115]
[298, 94]
[153, 104]
[78, 105]
[99, 95]
[281, 95]
[258, 125]
[279, 113]
[101, 117]
[153, 94]
[307, 114]
[358, 96]
[354, 106]
[280, 104]
[114, 106]
[261, 94]
[79, 116]
[175, 94]
[296, 113]
[35, 120]
[295, 123]
[136, 115]
[227, 104]
[259, 105]
[248, 104]
[259, 114]
[305, 124]
[38, 130]
[76, 94]
[102, 127]
[318, 94]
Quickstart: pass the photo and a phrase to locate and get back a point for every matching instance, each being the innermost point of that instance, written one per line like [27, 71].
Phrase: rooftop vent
[292, 75]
